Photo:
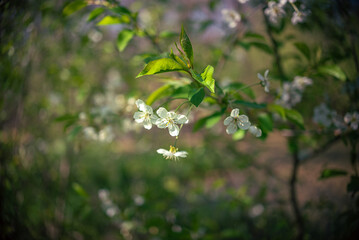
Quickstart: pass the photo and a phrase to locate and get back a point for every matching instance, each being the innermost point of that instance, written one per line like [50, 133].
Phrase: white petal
[235, 112]
[139, 117]
[181, 119]
[161, 123]
[266, 73]
[228, 120]
[147, 123]
[162, 112]
[173, 130]
[154, 119]
[182, 154]
[141, 105]
[260, 77]
[259, 133]
[232, 128]
[148, 109]
[162, 151]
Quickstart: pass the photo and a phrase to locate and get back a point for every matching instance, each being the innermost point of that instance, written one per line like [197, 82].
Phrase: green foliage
[124, 37]
[196, 96]
[95, 13]
[108, 20]
[160, 66]
[304, 49]
[186, 46]
[329, 173]
[333, 70]
[74, 6]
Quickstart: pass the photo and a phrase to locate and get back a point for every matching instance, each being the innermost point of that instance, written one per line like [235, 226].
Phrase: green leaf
[95, 13]
[114, 20]
[265, 122]
[186, 45]
[239, 135]
[262, 46]
[124, 37]
[333, 70]
[328, 173]
[303, 48]
[277, 109]
[208, 121]
[167, 34]
[121, 10]
[74, 132]
[207, 76]
[241, 87]
[161, 92]
[66, 117]
[73, 7]
[196, 96]
[250, 104]
[253, 35]
[245, 45]
[79, 190]
[160, 66]
[295, 117]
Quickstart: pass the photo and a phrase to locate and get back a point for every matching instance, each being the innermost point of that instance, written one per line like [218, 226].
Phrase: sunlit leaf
[295, 117]
[208, 79]
[108, 20]
[333, 70]
[79, 190]
[239, 135]
[95, 13]
[211, 119]
[161, 92]
[160, 66]
[277, 109]
[74, 6]
[124, 37]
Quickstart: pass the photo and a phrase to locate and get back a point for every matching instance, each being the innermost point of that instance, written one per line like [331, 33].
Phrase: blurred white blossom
[231, 17]
[257, 132]
[264, 80]
[275, 11]
[291, 92]
[352, 119]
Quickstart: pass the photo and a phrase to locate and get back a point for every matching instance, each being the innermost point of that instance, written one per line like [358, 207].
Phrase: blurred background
[74, 165]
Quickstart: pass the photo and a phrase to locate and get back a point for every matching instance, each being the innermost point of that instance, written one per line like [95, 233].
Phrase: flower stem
[181, 105]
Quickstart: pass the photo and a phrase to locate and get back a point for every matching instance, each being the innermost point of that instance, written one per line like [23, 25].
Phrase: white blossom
[264, 80]
[170, 120]
[255, 131]
[90, 133]
[145, 116]
[299, 83]
[298, 17]
[173, 153]
[323, 115]
[352, 119]
[231, 17]
[275, 11]
[106, 134]
[236, 121]
[291, 93]
[243, 1]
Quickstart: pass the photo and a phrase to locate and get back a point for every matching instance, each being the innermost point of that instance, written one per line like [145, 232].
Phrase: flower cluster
[352, 119]
[164, 119]
[108, 206]
[327, 117]
[235, 121]
[231, 17]
[292, 92]
[275, 11]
